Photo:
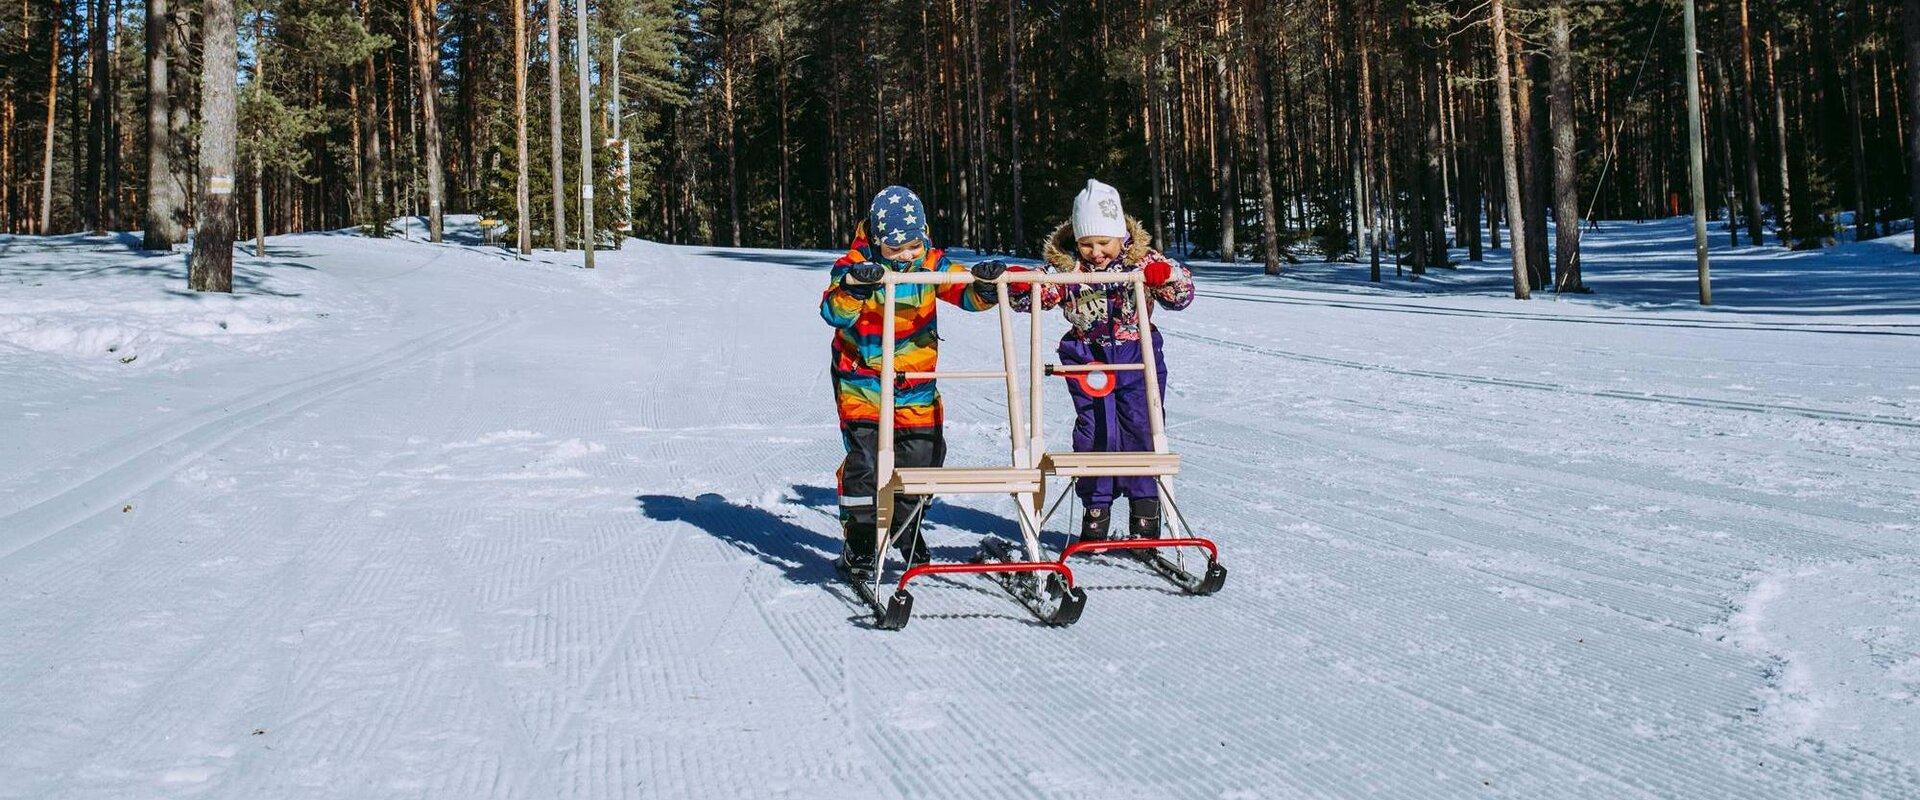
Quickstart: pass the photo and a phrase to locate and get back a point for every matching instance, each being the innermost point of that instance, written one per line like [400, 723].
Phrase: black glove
[988, 270]
[983, 275]
[862, 279]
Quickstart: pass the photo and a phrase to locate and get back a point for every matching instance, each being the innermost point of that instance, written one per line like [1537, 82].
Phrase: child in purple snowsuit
[1106, 329]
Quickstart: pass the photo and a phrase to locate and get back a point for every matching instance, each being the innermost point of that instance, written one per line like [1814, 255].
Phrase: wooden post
[883, 459]
[1696, 167]
[521, 192]
[1150, 363]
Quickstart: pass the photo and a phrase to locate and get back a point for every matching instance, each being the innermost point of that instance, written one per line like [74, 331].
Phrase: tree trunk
[522, 193]
[984, 204]
[1727, 162]
[1533, 206]
[1013, 124]
[1566, 190]
[1748, 125]
[259, 171]
[110, 129]
[8, 213]
[1862, 204]
[53, 102]
[1433, 173]
[211, 267]
[554, 134]
[1503, 83]
[1783, 215]
[786, 147]
[163, 195]
[92, 208]
[1368, 150]
[1910, 15]
[1263, 163]
[186, 167]
[426, 52]
[1223, 139]
[727, 34]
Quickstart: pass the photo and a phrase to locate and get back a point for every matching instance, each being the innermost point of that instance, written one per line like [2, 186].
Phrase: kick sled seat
[1117, 465]
[964, 480]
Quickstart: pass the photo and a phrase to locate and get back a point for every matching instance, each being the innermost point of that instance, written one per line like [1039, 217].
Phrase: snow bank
[84, 303]
[1844, 643]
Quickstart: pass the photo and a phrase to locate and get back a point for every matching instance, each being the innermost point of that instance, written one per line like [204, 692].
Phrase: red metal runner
[1213, 553]
[1009, 566]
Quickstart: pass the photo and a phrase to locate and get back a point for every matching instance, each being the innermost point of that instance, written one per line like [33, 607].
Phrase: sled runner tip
[1206, 583]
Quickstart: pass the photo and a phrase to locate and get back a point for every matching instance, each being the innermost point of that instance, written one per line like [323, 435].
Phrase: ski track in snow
[483, 526]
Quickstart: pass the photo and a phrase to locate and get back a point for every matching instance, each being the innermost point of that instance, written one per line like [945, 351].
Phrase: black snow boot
[1093, 526]
[856, 555]
[1146, 518]
[856, 566]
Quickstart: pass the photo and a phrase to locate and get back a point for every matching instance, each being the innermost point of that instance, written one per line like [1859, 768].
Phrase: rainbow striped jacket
[856, 339]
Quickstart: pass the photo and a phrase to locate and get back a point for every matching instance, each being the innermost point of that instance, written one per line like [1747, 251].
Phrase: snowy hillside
[412, 520]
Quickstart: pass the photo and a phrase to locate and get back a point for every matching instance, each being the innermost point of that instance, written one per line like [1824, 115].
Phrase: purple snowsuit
[1106, 328]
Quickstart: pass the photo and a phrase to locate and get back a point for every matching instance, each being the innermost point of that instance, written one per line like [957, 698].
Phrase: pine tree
[210, 268]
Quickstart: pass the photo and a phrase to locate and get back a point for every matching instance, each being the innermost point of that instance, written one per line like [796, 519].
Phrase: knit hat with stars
[897, 217]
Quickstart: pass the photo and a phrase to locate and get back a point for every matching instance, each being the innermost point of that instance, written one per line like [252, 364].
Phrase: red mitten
[1158, 272]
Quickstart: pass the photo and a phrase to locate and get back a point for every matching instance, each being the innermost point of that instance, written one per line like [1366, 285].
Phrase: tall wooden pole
[1696, 161]
[1509, 158]
[521, 200]
[581, 47]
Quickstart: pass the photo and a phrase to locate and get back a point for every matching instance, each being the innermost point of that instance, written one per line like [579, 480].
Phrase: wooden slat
[1088, 465]
[965, 480]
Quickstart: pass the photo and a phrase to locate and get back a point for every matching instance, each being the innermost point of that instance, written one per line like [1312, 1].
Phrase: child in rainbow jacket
[1110, 408]
[894, 237]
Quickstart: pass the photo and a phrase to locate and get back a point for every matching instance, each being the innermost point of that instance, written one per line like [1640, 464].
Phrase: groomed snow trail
[410, 520]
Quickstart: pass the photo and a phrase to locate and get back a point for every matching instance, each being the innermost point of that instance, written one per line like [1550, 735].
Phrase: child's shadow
[802, 555]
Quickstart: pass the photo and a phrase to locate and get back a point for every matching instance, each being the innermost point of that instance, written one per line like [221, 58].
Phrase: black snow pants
[858, 471]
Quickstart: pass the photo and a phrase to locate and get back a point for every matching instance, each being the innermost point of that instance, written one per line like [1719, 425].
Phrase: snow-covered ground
[412, 520]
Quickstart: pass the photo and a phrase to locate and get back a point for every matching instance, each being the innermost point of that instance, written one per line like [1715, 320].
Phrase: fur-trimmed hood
[1061, 250]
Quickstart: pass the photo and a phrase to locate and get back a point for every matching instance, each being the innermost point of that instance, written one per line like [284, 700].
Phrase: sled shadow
[803, 556]
[949, 515]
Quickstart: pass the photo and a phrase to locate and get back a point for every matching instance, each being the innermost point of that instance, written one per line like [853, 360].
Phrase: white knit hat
[1096, 212]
